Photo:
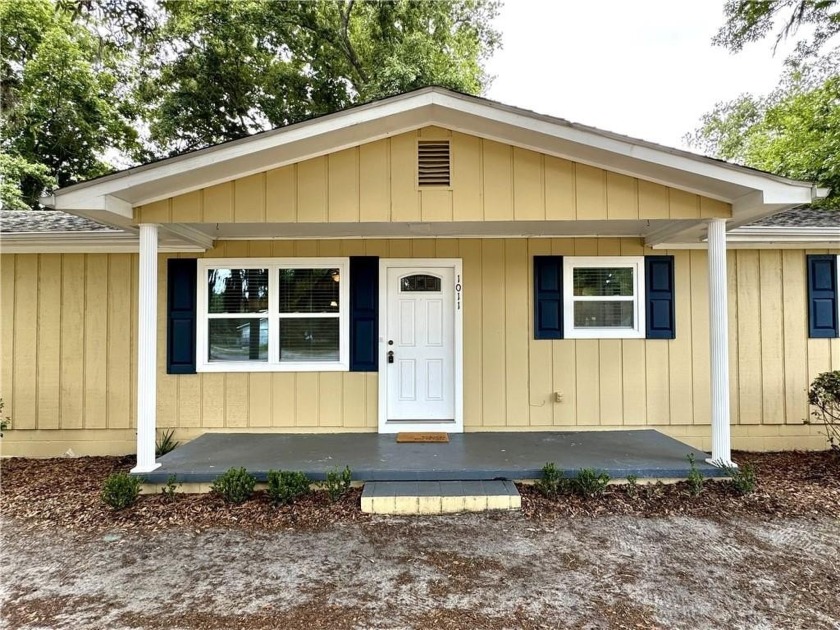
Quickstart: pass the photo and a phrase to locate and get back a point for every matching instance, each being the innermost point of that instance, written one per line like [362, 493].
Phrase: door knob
[390, 356]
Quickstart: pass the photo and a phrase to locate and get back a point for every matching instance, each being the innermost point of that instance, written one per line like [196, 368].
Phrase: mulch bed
[791, 484]
[65, 492]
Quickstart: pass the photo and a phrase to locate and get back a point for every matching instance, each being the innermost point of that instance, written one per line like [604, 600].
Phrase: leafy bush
[632, 485]
[552, 482]
[165, 443]
[590, 483]
[235, 486]
[743, 479]
[120, 490]
[5, 421]
[337, 483]
[285, 486]
[695, 477]
[168, 491]
[825, 396]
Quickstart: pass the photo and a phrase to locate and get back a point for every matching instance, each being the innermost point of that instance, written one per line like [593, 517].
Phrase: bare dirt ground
[470, 571]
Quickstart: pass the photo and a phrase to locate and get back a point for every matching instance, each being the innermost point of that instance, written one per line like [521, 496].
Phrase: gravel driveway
[475, 571]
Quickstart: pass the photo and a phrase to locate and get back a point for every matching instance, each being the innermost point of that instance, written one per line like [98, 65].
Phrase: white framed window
[273, 315]
[603, 297]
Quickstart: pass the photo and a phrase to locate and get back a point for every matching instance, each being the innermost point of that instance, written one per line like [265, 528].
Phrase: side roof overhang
[753, 194]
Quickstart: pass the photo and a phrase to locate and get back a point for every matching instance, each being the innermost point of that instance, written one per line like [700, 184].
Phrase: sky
[643, 68]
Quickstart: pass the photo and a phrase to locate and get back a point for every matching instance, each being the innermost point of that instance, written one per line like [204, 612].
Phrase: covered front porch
[646, 453]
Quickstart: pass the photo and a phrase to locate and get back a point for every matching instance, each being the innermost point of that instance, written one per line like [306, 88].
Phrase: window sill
[255, 366]
[604, 333]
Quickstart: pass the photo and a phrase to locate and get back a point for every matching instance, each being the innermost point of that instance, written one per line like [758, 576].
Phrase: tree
[752, 20]
[60, 114]
[229, 69]
[794, 131]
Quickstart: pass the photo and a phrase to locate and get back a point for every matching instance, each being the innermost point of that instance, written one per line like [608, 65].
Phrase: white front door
[419, 358]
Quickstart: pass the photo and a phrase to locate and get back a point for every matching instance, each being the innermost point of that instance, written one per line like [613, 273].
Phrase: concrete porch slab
[468, 456]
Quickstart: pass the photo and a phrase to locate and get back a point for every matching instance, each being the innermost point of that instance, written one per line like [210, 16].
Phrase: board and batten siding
[69, 352]
[376, 182]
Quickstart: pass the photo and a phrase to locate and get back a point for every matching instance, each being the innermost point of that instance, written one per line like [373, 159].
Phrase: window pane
[603, 281]
[420, 282]
[309, 290]
[237, 290]
[238, 339]
[309, 339]
[618, 314]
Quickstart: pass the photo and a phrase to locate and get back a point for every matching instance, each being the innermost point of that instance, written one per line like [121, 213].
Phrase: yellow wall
[68, 353]
[376, 182]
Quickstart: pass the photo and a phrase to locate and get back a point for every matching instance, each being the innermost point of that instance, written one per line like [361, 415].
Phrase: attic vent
[433, 162]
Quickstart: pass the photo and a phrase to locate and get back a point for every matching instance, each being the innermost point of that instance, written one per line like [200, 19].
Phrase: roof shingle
[47, 221]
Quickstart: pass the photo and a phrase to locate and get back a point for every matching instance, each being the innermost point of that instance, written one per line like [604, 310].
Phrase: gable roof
[48, 222]
[753, 194]
[802, 217]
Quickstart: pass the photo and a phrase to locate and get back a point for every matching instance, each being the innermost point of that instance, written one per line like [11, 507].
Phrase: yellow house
[427, 261]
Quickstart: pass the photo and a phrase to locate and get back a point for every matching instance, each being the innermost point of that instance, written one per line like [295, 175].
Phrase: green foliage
[120, 490]
[285, 486]
[632, 485]
[169, 490]
[222, 70]
[552, 483]
[824, 397]
[695, 477]
[236, 485]
[89, 84]
[165, 442]
[743, 478]
[752, 20]
[794, 131]
[337, 483]
[5, 421]
[590, 483]
[61, 99]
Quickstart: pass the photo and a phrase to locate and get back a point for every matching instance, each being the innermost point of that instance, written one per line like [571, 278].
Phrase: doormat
[405, 437]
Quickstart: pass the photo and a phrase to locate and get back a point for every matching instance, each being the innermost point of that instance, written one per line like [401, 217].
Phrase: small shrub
[120, 490]
[743, 479]
[632, 485]
[824, 394]
[590, 483]
[552, 483]
[337, 483]
[169, 490]
[285, 486]
[695, 477]
[165, 443]
[235, 486]
[5, 421]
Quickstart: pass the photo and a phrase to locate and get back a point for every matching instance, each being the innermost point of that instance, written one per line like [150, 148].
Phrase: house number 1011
[458, 292]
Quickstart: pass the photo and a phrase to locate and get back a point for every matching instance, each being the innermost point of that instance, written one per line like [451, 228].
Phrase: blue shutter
[364, 313]
[660, 317]
[548, 297]
[180, 315]
[822, 295]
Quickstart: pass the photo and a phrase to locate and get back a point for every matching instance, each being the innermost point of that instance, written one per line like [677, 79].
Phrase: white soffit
[752, 193]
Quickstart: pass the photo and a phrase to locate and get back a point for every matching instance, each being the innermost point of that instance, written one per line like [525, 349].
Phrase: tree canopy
[752, 20]
[89, 84]
[795, 130]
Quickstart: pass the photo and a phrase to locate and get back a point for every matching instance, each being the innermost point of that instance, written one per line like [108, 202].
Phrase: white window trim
[273, 364]
[637, 263]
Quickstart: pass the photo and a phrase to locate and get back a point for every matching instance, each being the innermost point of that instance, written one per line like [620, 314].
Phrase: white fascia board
[613, 143]
[396, 115]
[81, 243]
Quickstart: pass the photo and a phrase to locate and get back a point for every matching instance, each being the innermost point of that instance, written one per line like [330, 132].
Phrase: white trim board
[752, 192]
[455, 264]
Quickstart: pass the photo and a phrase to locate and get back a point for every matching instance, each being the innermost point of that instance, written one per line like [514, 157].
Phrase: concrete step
[439, 497]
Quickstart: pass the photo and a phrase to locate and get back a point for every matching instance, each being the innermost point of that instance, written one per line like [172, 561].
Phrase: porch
[646, 453]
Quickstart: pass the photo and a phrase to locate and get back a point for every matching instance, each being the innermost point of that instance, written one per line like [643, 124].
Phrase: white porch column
[147, 349]
[719, 342]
